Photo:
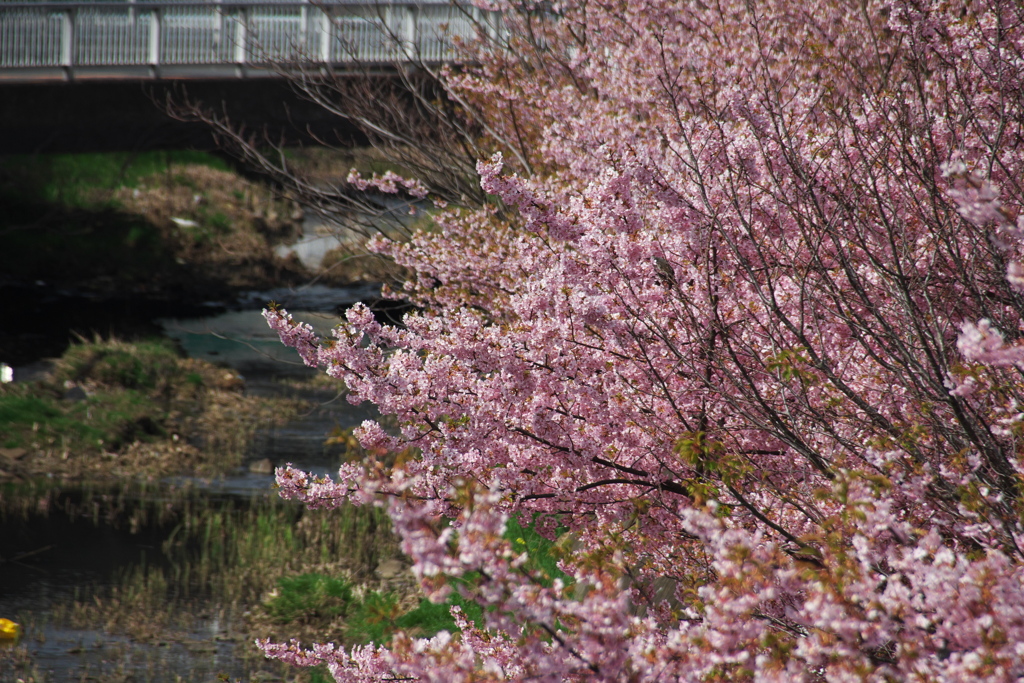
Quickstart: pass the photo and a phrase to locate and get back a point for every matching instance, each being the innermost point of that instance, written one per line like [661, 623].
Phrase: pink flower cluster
[388, 183]
[744, 324]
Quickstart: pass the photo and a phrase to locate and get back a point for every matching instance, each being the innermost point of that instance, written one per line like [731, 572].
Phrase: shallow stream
[153, 547]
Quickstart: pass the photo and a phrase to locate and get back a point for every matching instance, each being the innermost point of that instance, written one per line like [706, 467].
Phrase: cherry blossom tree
[740, 318]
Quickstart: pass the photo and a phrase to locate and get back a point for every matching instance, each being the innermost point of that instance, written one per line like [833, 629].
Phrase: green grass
[141, 365]
[105, 420]
[24, 417]
[542, 554]
[375, 617]
[309, 597]
[124, 402]
[238, 554]
[201, 555]
[219, 222]
[231, 555]
[320, 674]
[71, 179]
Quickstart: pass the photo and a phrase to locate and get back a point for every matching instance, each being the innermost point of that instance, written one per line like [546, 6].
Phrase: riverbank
[111, 409]
[104, 244]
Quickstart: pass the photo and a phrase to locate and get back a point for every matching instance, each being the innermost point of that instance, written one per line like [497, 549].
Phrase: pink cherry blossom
[742, 320]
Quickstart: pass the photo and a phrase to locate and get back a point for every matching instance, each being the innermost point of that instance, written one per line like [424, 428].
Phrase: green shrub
[374, 620]
[141, 365]
[378, 616]
[310, 597]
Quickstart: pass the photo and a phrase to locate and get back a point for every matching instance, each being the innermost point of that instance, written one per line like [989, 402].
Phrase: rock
[75, 394]
[389, 569]
[231, 381]
[263, 466]
[13, 454]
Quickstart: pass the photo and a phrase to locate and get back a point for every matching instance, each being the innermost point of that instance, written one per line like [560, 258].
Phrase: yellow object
[9, 630]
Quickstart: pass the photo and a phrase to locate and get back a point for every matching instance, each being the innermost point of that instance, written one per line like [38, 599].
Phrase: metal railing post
[153, 56]
[241, 35]
[67, 38]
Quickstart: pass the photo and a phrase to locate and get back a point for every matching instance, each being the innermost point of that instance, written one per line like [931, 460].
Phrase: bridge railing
[153, 33]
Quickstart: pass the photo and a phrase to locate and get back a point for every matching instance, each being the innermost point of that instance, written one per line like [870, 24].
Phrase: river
[177, 607]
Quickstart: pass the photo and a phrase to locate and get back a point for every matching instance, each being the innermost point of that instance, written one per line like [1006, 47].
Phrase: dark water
[243, 341]
[62, 545]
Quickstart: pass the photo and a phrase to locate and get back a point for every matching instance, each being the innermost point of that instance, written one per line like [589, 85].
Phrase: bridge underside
[95, 116]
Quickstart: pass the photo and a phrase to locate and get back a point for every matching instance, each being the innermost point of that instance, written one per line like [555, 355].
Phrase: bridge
[166, 39]
[82, 76]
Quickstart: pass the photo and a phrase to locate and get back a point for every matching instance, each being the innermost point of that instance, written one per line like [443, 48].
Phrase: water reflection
[243, 341]
[158, 582]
